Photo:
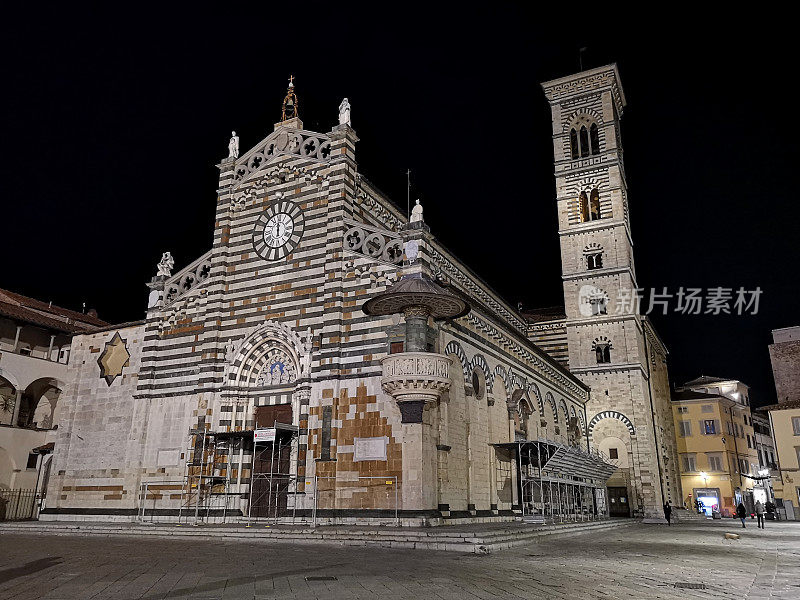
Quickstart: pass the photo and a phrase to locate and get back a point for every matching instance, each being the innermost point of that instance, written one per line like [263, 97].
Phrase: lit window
[583, 206]
[709, 427]
[594, 205]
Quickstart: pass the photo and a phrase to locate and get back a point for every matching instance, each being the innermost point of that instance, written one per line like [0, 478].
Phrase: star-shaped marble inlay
[113, 359]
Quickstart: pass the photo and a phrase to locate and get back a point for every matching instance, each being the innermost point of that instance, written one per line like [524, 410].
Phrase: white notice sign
[369, 448]
[264, 435]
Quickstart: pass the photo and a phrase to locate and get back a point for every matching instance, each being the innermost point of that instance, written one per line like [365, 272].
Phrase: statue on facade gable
[416, 213]
[233, 146]
[165, 265]
[344, 112]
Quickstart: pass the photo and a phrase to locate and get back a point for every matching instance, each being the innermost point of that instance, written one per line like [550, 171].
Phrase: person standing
[668, 513]
[760, 512]
[741, 512]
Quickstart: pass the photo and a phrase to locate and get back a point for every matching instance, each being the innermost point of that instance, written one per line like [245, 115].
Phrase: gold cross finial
[291, 80]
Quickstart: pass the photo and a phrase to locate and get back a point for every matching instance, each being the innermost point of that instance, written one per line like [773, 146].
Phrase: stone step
[477, 541]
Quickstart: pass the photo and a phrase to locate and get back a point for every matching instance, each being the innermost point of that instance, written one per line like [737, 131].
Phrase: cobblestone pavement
[636, 562]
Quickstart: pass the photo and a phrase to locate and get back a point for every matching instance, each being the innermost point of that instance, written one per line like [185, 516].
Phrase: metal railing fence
[17, 505]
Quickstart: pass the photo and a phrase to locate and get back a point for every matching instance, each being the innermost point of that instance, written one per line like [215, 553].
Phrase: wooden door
[618, 502]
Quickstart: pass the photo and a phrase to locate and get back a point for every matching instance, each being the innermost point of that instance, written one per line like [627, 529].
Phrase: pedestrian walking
[668, 512]
[741, 512]
[760, 513]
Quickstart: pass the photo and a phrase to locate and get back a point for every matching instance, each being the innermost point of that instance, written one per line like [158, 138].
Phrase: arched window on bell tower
[583, 207]
[584, 136]
[573, 143]
[594, 205]
[602, 350]
[594, 137]
[594, 256]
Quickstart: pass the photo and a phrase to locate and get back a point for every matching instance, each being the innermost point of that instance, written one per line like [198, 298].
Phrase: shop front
[707, 500]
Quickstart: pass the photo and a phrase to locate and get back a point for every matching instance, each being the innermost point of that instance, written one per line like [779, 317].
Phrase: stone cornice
[592, 80]
[544, 366]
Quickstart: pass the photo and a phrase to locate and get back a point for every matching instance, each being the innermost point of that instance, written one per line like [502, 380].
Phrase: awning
[45, 449]
[560, 461]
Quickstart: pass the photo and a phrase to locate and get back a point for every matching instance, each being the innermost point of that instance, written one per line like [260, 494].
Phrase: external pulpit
[416, 378]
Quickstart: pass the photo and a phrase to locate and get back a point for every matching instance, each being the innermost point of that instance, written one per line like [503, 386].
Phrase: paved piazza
[639, 561]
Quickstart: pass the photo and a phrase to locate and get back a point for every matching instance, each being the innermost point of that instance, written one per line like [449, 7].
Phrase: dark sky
[112, 124]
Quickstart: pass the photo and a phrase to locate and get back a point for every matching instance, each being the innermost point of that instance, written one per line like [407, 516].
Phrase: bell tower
[608, 340]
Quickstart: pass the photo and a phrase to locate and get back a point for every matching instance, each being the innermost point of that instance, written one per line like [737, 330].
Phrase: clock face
[278, 230]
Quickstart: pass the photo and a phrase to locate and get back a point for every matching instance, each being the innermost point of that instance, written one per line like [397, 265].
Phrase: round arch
[612, 414]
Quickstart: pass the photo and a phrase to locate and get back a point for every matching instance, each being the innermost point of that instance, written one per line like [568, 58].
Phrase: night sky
[113, 122]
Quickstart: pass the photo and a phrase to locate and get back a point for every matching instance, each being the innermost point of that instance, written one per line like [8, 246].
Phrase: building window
[709, 427]
[25, 351]
[715, 462]
[743, 466]
[613, 453]
[599, 305]
[683, 409]
[796, 425]
[584, 137]
[603, 353]
[32, 459]
[707, 408]
[594, 205]
[749, 443]
[583, 206]
[395, 347]
[594, 261]
[594, 137]
[685, 428]
[477, 384]
[689, 464]
[573, 144]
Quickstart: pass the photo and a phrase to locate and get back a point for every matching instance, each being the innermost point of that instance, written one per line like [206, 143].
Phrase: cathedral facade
[328, 358]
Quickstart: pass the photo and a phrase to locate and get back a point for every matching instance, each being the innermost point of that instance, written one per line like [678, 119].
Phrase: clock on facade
[278, 230]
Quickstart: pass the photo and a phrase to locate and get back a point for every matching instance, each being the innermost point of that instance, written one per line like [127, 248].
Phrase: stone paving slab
[639, 562]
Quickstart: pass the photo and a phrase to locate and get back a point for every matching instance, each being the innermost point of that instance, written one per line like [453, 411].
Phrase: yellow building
[785, 423]
[718, 460]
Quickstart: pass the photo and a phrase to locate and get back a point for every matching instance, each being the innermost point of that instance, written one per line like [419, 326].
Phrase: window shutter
[717, 428]
[702, 428]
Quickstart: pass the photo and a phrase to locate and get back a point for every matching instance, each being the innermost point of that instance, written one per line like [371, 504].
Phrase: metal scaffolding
[274, 473]
[206, 491]
[558, 483]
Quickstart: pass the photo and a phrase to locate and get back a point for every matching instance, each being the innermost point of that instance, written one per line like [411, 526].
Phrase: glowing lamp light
[764, 472]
